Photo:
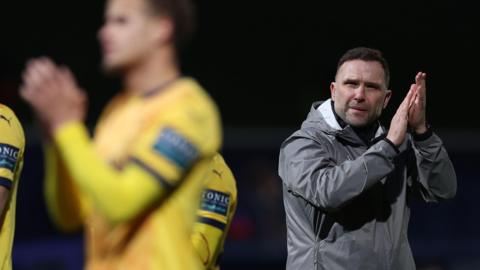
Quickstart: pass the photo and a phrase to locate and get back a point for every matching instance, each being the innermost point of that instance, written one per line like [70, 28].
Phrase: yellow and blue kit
[12, 147]
[215, 214]
[136, 187]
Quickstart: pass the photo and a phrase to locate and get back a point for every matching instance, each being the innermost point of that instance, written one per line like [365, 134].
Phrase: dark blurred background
[265, 62]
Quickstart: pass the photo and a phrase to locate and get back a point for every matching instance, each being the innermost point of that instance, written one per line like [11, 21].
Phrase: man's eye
[119, 20]
[351, 84]
[373, 87]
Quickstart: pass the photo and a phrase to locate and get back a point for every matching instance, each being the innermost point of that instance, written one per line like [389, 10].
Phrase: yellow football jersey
[12, 147]
[215, 214]
[136, 188]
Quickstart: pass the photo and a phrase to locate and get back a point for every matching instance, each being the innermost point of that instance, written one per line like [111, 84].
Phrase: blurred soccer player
[217, 208]
[12, 147]
[136, 187]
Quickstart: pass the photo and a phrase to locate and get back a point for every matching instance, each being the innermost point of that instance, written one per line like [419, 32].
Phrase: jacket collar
[322, 117]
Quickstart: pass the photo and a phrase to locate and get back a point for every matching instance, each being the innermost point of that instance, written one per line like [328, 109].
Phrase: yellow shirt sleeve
[215, 214]
[12, 145]
[66, 205]
[159, 160]
[64, 202]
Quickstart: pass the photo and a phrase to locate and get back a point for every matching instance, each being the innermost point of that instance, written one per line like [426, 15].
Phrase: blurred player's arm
[156, 166]
[64, 204]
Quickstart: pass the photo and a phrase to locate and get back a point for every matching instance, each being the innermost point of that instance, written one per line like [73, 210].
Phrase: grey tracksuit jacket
[347, 204]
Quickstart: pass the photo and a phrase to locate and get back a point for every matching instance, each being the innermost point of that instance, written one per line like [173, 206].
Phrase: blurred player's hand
[53, 93]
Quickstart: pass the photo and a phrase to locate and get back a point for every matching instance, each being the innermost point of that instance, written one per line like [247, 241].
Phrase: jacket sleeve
[435, 177]
[309, 170]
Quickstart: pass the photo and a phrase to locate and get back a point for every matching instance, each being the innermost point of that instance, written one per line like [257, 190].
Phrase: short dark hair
[182, 14]
[366, 54]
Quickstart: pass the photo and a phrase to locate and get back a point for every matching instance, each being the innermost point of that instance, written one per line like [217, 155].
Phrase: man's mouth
[357, 108]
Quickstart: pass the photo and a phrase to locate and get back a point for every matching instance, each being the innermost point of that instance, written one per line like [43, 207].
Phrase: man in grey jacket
[348, 182]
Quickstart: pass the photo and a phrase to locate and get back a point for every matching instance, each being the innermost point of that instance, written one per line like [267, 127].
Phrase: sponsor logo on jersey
[215, 201]
[8, 156]
[176, 148]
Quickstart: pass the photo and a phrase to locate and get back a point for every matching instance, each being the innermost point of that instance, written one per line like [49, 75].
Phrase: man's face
[359, 92]
[129, 34]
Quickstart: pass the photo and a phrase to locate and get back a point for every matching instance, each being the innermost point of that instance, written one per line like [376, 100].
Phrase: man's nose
[360, 92]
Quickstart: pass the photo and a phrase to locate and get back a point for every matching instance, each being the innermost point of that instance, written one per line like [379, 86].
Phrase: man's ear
[332, 90]
[163, 30]
[388, 95]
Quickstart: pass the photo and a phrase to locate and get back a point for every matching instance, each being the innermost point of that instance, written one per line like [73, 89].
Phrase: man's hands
[399, 124]
[410, 113]
[416, 115]
[53, 94]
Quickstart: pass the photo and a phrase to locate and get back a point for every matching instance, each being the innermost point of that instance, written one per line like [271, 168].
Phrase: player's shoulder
[194, 113]
[11, 127]
[6, 112]
[185, 101]
[221, 178]
[12, 142]
[195, 97]
[183, 115]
